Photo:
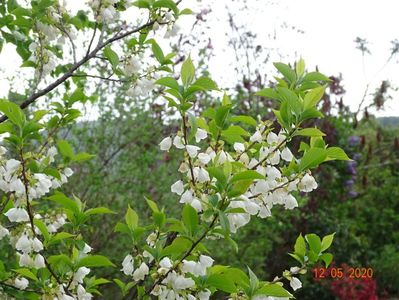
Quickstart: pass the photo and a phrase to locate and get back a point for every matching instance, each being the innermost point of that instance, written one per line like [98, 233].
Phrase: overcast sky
[324, 35]
[329, 30]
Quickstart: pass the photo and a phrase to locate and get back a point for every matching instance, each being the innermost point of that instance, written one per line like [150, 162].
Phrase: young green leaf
[309, 132]
[190, 218]
[95, 261]
[327, 241]
[187, 72]
[168, 82]
[111, 55]
[131, 218]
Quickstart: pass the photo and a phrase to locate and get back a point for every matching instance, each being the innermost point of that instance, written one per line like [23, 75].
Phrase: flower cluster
[261, 195]
[49, 36]
[22, 187]
[104, 10]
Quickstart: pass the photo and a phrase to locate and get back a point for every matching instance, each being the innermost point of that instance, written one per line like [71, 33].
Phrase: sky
[323, 34]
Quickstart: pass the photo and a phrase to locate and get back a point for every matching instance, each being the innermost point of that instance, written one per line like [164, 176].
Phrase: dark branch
[76, 66]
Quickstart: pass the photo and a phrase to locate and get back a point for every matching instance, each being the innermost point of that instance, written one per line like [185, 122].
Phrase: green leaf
[336, 153]
[253, 279]
[309, 132]
[42, 227]
[288, 73]
[65, 149]
[218, 173]
[314, 242]
[82, 156]
[311, 113]
[190, 218]
[26, 273]
[186, 11]
[187, 72]
[300, 68]
[300, 246]
[70, 204]
[312, 158]
[315, 76]
[247, 175]
[98, 211]
[152, 205]
[111, 55]
[131, 218]
[60, 236]
[158, 53]
[142, 4]
[206, 84]
[239, 188]
[167, 4]
[313, 97]
[222, 282]
[291, 98]
[274, 290]
[168, 82]
[244, 119]
[95, 261]
[221, 115]
[77, 95]
[13, 112]
[327, 241]
[224, 222]
[178, 246]
[268, 93]
[61, 262]
[235, 130]
[327, 258]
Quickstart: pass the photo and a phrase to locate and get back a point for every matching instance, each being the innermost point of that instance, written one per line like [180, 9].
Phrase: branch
[190, 163]
[100, 77]
[188, 253]
[31, 216]
[31, 99]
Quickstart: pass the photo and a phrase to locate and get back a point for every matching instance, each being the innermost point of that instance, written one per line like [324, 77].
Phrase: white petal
[177, 187]
[200, 135]
[165, 144]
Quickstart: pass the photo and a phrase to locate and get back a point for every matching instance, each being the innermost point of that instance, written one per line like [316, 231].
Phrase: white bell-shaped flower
[21, 283]
[203, 175]
[166, 143]
[286, 154]
[37, 245]
[17, 215]
[204, 295]
[200, 135]
[204, 158]
[39, 262]
[295, 283]
[80, 274]
[127, 265]
[3, 232]
[25, 260]
[178, 142]
[141, 272]
[307, 183]
[239, 147]
[177, 187]
[192, 150]
[87, 249]
[256, 137]
[290, 202]
[24, 244]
